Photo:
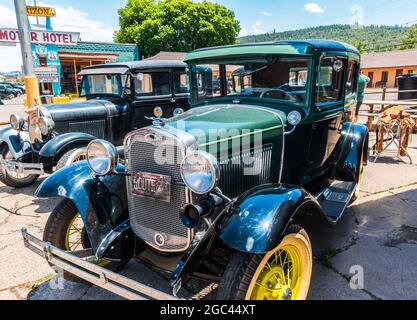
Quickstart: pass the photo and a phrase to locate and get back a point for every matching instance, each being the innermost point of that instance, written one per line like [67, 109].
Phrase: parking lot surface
[370, 254]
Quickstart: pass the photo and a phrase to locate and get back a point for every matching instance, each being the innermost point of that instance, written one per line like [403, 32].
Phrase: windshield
[97, 84]
[280, 78]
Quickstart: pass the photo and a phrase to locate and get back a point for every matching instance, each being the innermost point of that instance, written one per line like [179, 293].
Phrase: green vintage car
[216, 193]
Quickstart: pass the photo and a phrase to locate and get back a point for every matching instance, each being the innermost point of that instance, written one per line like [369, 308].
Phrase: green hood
[210, 123]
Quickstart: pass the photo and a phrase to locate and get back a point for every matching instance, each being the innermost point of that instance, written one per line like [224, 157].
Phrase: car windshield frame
[125, 83]
[197, 89]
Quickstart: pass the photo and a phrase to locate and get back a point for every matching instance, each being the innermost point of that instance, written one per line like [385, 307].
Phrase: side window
[181, 83]
[330, 80]
[351, 78]
[152, 84]
[298, 77]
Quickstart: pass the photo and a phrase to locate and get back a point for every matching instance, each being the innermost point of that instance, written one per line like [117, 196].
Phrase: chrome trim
[20, 167]
[214, 166]
[111, 154]
[82, 268]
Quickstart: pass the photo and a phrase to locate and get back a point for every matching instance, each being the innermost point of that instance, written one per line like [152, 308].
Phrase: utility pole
[31, 82]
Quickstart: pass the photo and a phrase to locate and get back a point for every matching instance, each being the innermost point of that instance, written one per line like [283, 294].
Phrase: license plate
[155, 186]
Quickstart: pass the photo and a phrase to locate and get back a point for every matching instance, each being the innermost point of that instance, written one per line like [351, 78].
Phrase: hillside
[368, 38]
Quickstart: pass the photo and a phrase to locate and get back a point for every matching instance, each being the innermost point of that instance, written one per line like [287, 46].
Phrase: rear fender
[101, 202]
[257, 221]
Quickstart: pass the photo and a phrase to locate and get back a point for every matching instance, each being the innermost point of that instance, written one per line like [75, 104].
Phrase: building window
[410, 71]
[384, 77]
[398, 73]
[371, 79]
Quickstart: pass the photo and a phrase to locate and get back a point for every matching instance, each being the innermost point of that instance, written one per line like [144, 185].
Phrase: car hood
[90, 109]
[208, 124]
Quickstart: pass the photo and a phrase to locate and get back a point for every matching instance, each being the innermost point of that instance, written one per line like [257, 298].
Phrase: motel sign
[41, 37]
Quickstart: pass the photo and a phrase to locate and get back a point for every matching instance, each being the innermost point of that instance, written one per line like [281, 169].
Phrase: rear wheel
[72, 156]
[65, 230]
[10, 96]
[14, 179]
[281, 274]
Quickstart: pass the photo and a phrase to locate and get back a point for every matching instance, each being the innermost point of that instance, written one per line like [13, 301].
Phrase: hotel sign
[40, 11]
[41, 37]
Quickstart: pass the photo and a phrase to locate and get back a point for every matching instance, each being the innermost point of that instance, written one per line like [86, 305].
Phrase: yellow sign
[40, 11]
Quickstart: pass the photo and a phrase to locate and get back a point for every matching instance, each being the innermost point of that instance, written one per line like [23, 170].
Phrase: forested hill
[366, 38]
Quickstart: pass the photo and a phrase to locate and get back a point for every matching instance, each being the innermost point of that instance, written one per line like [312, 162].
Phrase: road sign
[40, 11]
[41, 37]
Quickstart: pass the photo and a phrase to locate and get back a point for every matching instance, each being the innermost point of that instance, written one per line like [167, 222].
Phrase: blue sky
[97, 19]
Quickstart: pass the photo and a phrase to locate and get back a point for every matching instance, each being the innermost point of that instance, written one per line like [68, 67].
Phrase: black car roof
[142, 64]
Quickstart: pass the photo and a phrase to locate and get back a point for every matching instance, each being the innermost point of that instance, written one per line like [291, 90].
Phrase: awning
[109, 70]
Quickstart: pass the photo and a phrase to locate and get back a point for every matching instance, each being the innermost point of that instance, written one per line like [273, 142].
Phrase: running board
[335, 199]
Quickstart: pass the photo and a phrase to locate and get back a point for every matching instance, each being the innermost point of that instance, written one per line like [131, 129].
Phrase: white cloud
[257, 28]
[243, 32]
[314, 7]
[67, 19]
[265, 13]
[70, 19]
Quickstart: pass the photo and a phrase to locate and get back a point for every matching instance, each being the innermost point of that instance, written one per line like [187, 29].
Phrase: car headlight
[200, 172]
[46, 125]
[102, 157]
[17, 122]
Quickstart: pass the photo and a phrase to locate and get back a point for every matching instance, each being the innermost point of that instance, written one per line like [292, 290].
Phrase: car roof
[141, 64]
[290, 47]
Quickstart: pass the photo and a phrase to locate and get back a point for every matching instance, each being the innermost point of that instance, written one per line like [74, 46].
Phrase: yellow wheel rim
[283, 273]
[74, 238]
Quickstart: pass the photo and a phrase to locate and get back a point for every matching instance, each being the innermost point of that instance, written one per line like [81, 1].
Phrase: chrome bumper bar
[20, 167]
[80, 267]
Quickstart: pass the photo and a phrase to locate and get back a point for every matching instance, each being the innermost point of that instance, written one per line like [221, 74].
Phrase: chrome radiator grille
[152, 218]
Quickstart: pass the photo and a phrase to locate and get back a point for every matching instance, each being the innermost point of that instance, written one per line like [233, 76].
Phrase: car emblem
[159, 239]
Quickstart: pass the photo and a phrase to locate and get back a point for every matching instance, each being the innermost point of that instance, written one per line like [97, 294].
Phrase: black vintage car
[217, 193]
[119, 96]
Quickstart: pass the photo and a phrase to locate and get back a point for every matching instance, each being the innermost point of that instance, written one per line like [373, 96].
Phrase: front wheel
[65, 230]
[281, 274]
[12, 178]
[71, 156]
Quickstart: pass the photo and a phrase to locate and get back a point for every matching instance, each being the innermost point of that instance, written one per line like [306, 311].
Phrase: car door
[329, 108]
[152, 88]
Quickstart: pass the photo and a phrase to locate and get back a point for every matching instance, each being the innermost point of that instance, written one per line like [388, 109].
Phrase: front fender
[101, 202]
[18, 142]
[64, 142]
[257, 221]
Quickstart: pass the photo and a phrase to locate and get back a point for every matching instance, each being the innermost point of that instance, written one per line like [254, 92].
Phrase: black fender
[101, 202]
[350, 152]
[55, 147]
[257, 220]
[18, 142]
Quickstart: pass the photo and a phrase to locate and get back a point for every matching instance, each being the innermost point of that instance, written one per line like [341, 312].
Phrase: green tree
[360, 45]
[410, 41]
[176, 25]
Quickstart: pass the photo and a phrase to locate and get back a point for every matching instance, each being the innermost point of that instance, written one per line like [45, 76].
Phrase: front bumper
[20, 167]
[79, 265]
